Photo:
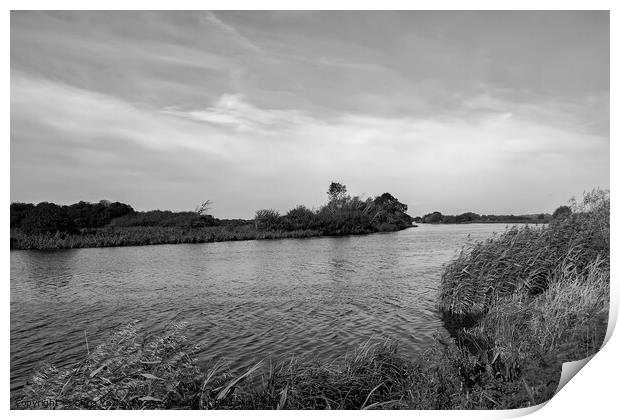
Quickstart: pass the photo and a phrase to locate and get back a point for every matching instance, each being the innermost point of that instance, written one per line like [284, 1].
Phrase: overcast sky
[496, 112]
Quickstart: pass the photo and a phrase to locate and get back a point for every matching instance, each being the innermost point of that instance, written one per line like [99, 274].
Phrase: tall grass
[530, 299]
[148, 235]
[524, 259]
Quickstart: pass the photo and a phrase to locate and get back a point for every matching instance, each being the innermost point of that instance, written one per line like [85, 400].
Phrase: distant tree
[389, 203]
[541, 216]
[336, 191]
[434, 217]
[561, 212]
[47, 218]
[467, 217]
[19, 212]
[88, 215]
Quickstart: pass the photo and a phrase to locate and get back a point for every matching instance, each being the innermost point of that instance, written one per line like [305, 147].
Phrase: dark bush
[47, 218]
[94, 215]
[18, 212]
[299, 218]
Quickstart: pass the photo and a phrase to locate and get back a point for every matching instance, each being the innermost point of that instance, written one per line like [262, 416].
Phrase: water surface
[317, 297]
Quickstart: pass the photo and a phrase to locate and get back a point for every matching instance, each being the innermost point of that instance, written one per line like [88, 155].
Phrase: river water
[317, 297]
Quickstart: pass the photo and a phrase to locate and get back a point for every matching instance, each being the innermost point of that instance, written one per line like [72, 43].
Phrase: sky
[492, 112]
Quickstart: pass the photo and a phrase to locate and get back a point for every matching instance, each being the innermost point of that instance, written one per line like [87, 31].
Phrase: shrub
[267, 219]
[300, 217]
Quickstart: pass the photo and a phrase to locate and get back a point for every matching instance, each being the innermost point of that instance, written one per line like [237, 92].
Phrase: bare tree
[203, 208]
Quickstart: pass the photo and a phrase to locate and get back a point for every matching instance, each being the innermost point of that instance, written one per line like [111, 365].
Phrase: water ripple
[243, 300]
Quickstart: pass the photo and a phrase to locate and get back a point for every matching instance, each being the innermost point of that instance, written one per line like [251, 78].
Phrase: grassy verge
[516, 307]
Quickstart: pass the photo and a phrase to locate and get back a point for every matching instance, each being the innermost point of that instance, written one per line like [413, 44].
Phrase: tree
[434, 217]
[336, 192]
[47, 218]
[467, 217]
[202, 217]
[390, 204]
[203, 208]
[19, 212]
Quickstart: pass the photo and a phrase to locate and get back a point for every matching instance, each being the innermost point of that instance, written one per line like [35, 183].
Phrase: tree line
[342, 214]
[470, 217]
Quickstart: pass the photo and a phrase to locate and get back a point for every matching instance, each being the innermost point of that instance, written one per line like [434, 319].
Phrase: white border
[592, 394]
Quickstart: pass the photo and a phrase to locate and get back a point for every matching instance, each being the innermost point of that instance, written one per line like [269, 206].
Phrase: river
[317, 297]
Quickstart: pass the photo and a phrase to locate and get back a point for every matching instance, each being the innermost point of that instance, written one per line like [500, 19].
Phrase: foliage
[47, 218]
[18, 212]
[390, 204]
[299, 217]
[470, 217]
[49, 226]
[336, 192]
[165, 218]
[434, 217]
[267, 219]
[50, 218]
[89, 215]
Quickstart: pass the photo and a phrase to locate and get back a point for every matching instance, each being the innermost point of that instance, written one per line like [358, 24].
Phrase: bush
[267, 219]
[300, 217]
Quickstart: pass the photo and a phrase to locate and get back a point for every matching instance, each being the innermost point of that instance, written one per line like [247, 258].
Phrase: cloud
[234, 112]
[68, 142]
[230, 30]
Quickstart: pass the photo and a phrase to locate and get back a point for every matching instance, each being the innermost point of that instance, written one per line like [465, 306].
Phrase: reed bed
[523, 260]
[134, 236]
[132, 370]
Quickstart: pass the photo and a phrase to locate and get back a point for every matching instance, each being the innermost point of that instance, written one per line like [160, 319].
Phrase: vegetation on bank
[516, 306]
[80, 225]
[470, 217]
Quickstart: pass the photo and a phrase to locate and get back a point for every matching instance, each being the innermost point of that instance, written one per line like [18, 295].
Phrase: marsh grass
[148, 235]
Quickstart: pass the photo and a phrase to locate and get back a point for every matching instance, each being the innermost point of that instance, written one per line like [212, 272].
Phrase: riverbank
[106, 224]
[156, 235]
[516, 307]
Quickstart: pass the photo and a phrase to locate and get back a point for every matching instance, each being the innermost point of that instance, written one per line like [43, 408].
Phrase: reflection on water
[243, 300]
